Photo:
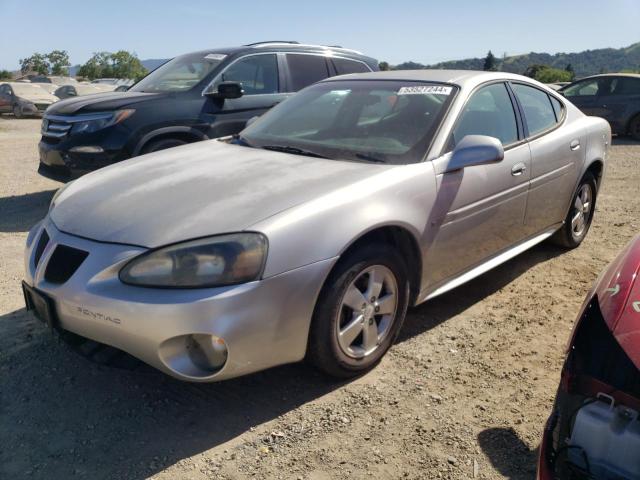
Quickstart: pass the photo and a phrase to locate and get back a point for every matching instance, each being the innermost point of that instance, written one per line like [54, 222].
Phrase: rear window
[306, 70]
[538, 111]
[344, 66]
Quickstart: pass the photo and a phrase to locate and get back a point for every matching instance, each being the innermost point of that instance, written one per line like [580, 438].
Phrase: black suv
[192, 97]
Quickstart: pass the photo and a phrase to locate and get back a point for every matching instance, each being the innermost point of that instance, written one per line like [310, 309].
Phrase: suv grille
[42, 106]
[55, 129]
[63, 263]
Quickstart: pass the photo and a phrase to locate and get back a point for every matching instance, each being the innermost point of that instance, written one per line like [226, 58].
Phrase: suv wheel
[580, 215]
[162, 144]
[359, 312]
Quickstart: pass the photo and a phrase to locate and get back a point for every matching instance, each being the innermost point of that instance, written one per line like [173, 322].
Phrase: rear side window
[344, 66]
[587, 88]
[258, 74]
[490, 112]
[557, 107]
[625, 86]
[306, 70]
[538, 111]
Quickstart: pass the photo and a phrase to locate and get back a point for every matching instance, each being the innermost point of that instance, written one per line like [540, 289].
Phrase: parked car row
[308, 232]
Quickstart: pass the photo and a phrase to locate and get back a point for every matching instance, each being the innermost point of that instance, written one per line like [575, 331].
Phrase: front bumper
[57, 159]
[263, 323]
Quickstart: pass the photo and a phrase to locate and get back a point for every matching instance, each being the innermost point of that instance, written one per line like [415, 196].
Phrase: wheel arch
[632, 118]
[184, 133]
[398, 237]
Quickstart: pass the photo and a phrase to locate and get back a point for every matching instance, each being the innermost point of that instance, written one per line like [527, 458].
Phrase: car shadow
[89, 420]
[430, 314]
[508, 454]
[20, 212]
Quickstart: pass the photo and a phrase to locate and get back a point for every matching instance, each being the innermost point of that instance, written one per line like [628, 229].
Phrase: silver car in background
[311, 232]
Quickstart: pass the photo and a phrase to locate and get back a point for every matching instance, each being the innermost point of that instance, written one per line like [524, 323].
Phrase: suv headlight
[99, 121]
[207, 262]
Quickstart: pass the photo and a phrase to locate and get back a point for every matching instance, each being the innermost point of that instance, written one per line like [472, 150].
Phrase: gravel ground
[463, 394]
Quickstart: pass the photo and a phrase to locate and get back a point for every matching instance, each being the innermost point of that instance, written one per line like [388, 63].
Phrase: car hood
[100, 102]
[618, 291]
[196, 190]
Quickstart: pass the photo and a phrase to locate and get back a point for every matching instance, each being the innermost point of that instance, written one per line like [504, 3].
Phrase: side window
[490, 112]
[344, 66]
[306, 70]
[258, 74]
[625, 86]
[538, 111]
[557, 107]
[582, 89]
[3, 89]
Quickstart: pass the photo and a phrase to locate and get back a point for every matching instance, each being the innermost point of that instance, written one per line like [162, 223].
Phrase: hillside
[585, 63]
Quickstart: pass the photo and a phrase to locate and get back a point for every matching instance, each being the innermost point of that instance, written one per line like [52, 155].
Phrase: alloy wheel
[581, 211]
[367, 311]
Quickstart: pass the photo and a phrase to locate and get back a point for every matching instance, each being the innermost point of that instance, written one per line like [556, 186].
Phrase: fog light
[86, 149]
[207, 351]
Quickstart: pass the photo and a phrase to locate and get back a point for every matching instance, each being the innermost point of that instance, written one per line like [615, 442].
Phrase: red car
[594, 429]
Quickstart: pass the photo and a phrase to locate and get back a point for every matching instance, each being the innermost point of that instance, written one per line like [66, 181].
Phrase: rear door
[557, 152]
[480, 209]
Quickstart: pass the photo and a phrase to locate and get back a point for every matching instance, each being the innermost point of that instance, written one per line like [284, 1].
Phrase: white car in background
[80, 89]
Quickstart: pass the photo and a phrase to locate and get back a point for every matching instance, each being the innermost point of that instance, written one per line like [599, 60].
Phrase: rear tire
[344, 341]
[634, 128]
[162, 144]
[578, 220]
[17, 111]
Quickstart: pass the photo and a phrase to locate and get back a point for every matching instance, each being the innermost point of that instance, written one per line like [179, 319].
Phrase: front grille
[63, 263]
[42, 243]
[42, 106]
[55, 128]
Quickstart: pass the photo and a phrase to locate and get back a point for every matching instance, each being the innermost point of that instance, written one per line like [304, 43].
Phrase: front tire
[578, 220]
[359, 312]
[634, 128]
[17, 111]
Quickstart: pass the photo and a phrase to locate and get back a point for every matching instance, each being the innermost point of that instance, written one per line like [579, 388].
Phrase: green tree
[127, 65]
[37, 63]
[547, 74]
[99, 65]
[5, 75]
[384, 66]
[490, 62]
[59, 62]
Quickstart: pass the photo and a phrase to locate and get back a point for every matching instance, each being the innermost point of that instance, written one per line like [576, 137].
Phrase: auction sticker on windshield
[424, 89]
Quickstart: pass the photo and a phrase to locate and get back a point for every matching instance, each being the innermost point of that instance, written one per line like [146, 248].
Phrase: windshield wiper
[293, 150]
[370, 158]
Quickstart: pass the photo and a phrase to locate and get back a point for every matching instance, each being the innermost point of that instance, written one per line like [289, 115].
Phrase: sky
[395, 31]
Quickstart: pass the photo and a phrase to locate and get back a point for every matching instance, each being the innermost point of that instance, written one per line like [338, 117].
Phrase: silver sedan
[311, 233]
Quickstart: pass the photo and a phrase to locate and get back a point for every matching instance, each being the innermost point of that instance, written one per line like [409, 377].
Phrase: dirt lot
[463, 393]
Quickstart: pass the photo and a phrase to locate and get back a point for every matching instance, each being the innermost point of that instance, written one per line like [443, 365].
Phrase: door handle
[574, 145]
[518, 169]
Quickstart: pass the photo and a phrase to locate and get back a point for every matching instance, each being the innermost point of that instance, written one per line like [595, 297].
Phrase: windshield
[27, 89]
[179, 74]
[378, 121]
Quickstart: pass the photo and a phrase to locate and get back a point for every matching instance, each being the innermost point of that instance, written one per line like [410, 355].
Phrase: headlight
[99, 121]
[206, 262]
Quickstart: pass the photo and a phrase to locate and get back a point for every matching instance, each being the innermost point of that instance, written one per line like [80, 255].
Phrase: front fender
[180, 129]
[325, 227]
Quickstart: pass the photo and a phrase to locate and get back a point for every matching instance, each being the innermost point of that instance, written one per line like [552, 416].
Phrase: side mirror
[475, 150]
[226, 90]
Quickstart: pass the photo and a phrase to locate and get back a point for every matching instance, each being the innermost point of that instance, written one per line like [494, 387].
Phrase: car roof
[461, 78]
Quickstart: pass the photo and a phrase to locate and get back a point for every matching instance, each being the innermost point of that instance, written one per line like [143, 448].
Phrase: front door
[479, 210]
[261, 81]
